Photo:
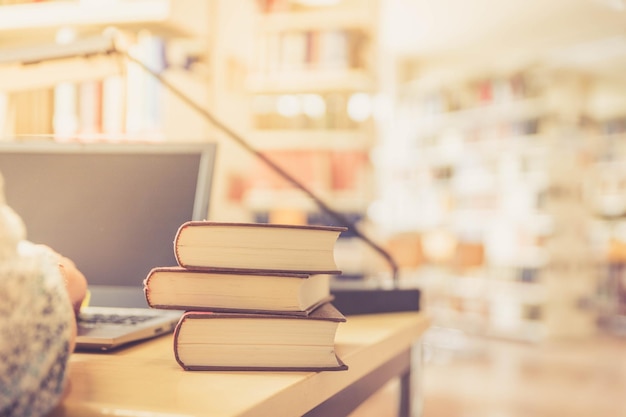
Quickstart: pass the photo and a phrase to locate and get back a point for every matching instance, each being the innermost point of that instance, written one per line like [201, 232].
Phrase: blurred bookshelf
[105, 97]
[488, 175]
[311, 84]
[98, 96]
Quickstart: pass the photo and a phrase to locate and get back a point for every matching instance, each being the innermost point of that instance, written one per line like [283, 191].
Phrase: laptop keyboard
[117, 319]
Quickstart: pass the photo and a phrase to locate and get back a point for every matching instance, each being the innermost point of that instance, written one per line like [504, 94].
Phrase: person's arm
[40, 293]
[37, 330]
[73, 279]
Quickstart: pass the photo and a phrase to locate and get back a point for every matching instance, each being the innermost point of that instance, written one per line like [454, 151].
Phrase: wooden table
[145, 380]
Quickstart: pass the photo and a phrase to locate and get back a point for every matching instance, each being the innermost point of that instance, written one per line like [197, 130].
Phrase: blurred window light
[359, 107]
[288, 105]
[65, 35]
[313, 105]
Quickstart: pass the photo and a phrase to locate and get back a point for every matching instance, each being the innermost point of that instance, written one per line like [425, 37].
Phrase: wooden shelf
[312, 81]
[321, 19]
[44, 75]
[293, 56]
[517, 110]
[267, 200]
[178, 17]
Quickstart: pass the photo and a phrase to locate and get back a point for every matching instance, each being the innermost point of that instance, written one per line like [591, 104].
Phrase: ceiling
[585, 33]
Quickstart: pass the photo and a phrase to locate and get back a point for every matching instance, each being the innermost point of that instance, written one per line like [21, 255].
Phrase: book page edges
[341, 366]
[198, 268]
[325, 311]
[256, 312]
[229, 271]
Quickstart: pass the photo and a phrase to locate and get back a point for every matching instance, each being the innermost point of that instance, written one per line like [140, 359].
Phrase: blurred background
[480, 142]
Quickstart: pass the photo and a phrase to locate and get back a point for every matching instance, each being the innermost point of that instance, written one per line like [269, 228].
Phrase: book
[334, 50]
[89, 107]
[113, 105]
[257, 246]
[252, 291]
[293, 50]
[263, 342]
[65, 113]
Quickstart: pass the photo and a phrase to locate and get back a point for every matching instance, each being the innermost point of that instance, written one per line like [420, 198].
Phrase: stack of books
[255, 296]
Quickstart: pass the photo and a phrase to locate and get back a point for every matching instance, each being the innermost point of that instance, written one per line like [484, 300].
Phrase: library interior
[475, 144]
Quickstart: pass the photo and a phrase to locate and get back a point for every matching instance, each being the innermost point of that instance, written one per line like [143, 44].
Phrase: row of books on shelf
[483, 136]
[86, 109]
[473, 94]
[256, 296]
[127, 103]
[613, 126]
[329, 49]
[319, 169]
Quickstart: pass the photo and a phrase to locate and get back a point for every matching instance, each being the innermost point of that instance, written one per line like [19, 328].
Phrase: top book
[257, 246]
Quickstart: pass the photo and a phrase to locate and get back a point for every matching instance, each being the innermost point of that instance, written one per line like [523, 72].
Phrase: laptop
[114, 209]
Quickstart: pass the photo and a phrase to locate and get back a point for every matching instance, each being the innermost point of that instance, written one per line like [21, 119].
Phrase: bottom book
[244, 341]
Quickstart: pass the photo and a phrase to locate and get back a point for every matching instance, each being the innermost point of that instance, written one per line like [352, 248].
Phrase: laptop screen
[113, 208]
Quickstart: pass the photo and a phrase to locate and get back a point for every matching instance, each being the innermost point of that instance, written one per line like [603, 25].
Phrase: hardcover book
[252, 291]
[257, 246]
[263, 342]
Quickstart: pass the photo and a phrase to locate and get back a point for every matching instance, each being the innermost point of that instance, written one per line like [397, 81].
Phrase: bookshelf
[98, 96]
[487, 173]
[311, 81]
[191, 42]
[604, 194]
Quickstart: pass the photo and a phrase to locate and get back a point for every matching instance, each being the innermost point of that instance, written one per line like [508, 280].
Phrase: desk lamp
[351, 299]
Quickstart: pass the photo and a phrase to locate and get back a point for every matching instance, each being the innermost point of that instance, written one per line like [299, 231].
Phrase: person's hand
[75, 282]
[76, 286]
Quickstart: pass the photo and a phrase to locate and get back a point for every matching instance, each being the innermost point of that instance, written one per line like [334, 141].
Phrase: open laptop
[113, 208]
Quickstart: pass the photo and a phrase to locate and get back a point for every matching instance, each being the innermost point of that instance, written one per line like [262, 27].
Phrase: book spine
[177, 330]
[146, 289]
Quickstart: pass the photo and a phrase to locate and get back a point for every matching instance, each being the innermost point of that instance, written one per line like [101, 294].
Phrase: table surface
[146, 380]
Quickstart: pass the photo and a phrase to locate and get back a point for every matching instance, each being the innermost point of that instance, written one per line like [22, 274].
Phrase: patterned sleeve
[35, 317]
[35, 323]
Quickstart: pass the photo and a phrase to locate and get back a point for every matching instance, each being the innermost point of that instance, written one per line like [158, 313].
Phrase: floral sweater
[35, 317]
